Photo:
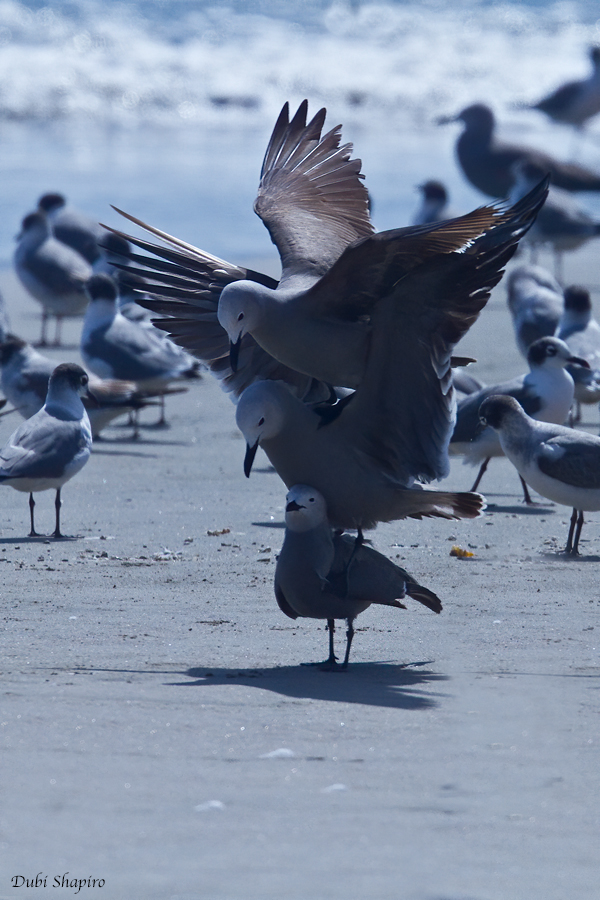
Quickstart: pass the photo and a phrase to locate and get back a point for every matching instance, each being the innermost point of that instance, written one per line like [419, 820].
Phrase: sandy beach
[160, 734]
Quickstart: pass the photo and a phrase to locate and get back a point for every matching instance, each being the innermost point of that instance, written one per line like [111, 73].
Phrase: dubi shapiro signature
[58, 881]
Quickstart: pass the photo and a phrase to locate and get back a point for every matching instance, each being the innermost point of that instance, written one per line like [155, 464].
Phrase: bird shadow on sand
[370, 684]
[537, 508]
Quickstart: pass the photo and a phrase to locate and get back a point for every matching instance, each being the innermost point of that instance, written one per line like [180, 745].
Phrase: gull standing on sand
[535, 301]
[52, 446]
[114, 347]
[322, 575]
[545, 392]
[559, 463]
[24, 378]
[487, 161]
[53, 273]
[577, 101]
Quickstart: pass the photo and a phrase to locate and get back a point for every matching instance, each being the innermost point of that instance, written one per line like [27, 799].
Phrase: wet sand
[160, 733]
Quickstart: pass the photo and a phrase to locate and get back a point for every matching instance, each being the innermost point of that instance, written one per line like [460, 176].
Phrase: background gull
[53, 273]
[317, 320]
[434, 203]
[24, 378]
[561, 223]
[535, 301]
[73, 228]
[52, 446]
[576, 101]
[115, 347]
[322, 575]
[559, 463]
[545, 392]
[487, 161]
[581, 332]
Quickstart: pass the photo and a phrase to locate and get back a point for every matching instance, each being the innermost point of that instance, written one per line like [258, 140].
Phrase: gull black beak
[578, 361]
[234, 353]
[249, 458]
[293, 506]
[90, 401]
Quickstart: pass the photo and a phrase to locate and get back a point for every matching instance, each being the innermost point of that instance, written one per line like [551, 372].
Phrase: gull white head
[68, 383]
[241, 311]
[260, 415]
[305, 508]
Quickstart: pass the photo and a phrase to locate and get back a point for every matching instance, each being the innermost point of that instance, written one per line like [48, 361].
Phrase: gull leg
[33, 532]
[57, 505]
[569, 547]
[58, 331]
[43, 342]
[484, 466]
[331, 662]
[575, 550]
[526, 494]
[349, 636]
[162, 422]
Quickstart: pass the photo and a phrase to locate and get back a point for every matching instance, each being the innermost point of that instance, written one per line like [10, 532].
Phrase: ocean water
[164, 108]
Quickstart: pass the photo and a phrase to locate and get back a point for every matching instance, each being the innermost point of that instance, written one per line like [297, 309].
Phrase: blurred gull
[486, 161]
[24, 379]
[53, 273]
[434, 203]
[535, 301]
[53, 445]
[561, 223]
[545, 392]
[324, 575]
[559, 463]
[581, 332]
[114, 347]
[72, 227]
[577, 101]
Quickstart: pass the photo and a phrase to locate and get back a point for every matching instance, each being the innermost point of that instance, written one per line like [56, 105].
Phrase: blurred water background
[164, 108]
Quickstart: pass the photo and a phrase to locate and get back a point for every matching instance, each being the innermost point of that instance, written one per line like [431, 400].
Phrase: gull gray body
[53, 273]
[560, 463]
[545, 392]
[487, 161]
[114, 347]
[52, 446]
[324, 575]
[535, 301]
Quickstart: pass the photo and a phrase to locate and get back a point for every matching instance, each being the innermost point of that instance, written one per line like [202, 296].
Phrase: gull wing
[311, 197]
[572, 458]
[402, 415]
[183, 284]
[369, 269]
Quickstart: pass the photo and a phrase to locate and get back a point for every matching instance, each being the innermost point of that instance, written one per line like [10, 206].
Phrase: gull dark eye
[261, 421]
[84, 380]
[240, 317]
[551, 351]
[312, 499]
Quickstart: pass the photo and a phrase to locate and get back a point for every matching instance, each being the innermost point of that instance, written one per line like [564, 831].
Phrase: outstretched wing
[402, 415]
[311, 196]
[183, 284]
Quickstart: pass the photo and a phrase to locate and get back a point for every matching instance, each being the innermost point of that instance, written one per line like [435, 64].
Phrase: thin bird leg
[134, 421]
[484, 466]
[58, 331]
[331, 662]
[349, 636]
[57, 505]
[526, 494]
[43, 342]
[569, 547]
[33, 532]
[575, 550]
[162, 421]
[358, 542]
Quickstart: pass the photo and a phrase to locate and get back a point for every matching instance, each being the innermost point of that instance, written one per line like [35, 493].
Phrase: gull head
[499, 410]
[305, 508]
[240, 312]
[34, 229]
[552, 353]
[260, 416]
